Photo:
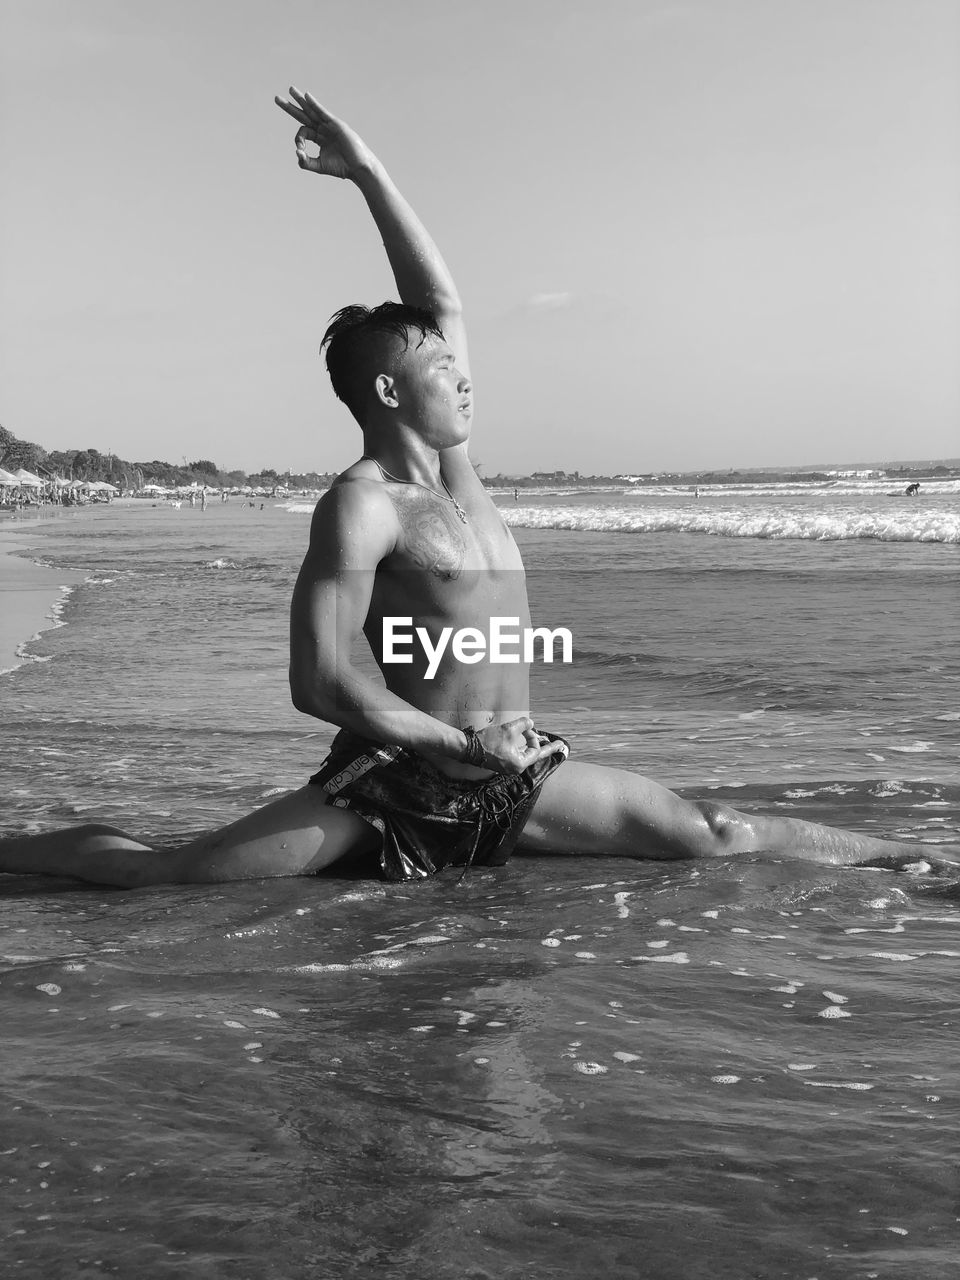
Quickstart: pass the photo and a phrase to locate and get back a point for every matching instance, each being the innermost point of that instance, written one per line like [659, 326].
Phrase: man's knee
[724, 830]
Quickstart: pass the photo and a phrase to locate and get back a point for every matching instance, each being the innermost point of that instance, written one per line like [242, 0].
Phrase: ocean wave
[845, 487]
[603, 658]
[817, 525]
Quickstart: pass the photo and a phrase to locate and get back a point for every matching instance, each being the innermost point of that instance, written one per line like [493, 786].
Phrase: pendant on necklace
[460, 511]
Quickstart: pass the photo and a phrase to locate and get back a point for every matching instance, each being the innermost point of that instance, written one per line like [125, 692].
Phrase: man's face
[434, 396]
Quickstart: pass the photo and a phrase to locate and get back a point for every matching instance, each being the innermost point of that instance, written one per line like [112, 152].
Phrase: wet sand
[30, 593]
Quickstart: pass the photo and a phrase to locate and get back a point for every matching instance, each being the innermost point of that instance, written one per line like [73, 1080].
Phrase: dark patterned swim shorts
[428, 820]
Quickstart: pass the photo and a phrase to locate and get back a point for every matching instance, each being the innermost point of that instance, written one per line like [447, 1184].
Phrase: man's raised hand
[343, 154]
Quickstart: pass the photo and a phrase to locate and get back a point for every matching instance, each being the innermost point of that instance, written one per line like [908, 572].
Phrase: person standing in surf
[442, 764]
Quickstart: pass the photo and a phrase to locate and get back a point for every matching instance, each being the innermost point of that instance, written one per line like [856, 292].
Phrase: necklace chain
[447, 496]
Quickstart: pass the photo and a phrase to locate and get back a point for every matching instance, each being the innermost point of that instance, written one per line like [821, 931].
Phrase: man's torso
[446, 573]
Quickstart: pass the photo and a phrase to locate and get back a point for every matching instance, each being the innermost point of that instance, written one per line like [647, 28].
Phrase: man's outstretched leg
[593, 809]
[296, 835]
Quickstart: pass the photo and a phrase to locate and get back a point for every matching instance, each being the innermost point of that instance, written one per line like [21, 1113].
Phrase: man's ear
[386, 391]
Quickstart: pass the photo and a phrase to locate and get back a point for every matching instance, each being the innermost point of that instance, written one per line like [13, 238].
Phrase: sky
[688, 234]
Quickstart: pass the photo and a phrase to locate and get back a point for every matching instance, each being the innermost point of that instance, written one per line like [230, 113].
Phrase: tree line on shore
[91, 464]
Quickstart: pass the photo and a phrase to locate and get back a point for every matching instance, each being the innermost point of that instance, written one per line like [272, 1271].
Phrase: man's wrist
[474, 752]
[369, 175]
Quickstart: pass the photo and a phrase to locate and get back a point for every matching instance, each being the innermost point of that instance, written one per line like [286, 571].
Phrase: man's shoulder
[355, 509]
[355, 490]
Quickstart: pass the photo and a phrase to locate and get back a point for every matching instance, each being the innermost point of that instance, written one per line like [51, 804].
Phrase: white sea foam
[821, 523]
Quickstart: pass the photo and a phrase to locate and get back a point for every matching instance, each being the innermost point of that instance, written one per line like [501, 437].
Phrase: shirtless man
[425, 771]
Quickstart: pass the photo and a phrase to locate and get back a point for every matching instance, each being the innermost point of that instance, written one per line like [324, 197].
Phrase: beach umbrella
[28, 480]
[8, 478]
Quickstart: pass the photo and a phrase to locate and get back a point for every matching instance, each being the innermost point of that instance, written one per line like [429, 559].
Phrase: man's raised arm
[423, 278]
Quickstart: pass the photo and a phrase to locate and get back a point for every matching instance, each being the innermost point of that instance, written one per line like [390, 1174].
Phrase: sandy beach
[30, 593]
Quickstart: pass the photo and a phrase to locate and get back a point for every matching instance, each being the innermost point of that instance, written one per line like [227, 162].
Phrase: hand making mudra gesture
[342, 152]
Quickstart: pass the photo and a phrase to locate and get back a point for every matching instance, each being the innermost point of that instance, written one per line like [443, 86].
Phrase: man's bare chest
[435, 540]
[442, 566]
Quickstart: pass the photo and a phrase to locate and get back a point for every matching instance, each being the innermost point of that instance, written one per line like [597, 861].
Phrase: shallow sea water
[563, 1067]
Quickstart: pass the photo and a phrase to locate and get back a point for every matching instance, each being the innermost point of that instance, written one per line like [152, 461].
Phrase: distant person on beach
[430, 768]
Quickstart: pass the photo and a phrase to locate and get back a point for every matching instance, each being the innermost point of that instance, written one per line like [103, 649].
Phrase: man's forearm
[354, 702]
[423, 278]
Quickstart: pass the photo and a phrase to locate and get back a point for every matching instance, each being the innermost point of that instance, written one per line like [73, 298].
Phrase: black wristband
[475, 753]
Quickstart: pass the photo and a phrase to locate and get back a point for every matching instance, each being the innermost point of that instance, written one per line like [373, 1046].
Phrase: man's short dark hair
[363, 341]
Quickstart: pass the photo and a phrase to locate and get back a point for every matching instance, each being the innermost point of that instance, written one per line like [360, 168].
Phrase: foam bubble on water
[801, 1066]
[621, 1055]
[267, 1013]
[463, 1017]
[550, 942]
[254, 1044]
[49, 988]
[590, 1068]
[834, 1011]
[585, 955]
[666, 924]
[426, 1027]
[948, 715]
[891, 955]
[426, 940]
[835, 998]
[710, 915]
[675, 957]
[899, 1231]
[656, 943]
[897, 928]
[857, 1085]
[621, 899]
[891, 787]
[916, 747]
[237, 1026]
[725, 1079]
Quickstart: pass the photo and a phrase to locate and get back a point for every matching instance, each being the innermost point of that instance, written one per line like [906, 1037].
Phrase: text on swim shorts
[505, 642]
